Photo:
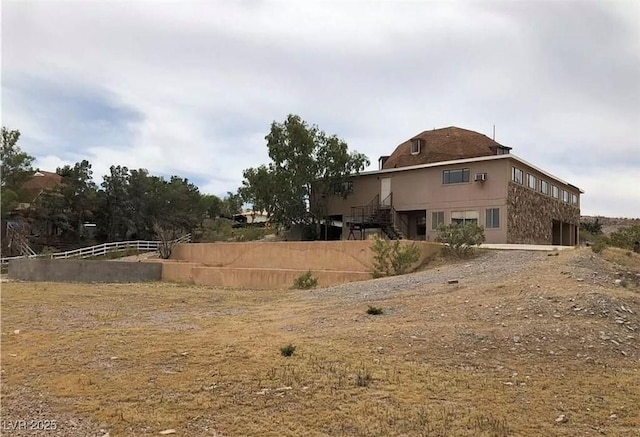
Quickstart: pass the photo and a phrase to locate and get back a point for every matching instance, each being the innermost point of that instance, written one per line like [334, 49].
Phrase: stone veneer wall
[530, 215]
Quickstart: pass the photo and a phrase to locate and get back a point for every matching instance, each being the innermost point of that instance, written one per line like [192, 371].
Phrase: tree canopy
[133, 203]
[306, 166]
[16, 169]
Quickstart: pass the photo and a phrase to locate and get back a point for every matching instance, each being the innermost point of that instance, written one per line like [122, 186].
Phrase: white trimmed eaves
[468, 161]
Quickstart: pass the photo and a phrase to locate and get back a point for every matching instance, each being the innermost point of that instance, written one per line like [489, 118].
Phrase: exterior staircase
[378, 215]
[17, 239]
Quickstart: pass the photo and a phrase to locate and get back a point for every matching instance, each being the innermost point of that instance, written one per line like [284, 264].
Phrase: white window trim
[486, 210]
[418, 142]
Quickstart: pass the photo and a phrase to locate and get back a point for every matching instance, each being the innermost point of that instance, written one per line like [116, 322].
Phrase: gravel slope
[489, 267]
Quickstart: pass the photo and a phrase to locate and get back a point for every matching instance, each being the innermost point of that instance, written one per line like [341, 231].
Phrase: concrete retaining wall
[68, 270]
[274, 264]
[299, 255]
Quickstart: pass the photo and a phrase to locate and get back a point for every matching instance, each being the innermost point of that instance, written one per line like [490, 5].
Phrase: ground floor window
[492, 219]
[437, 219]
[464, 217]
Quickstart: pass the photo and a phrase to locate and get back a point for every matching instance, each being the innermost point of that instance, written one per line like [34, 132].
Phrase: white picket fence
[101, 249]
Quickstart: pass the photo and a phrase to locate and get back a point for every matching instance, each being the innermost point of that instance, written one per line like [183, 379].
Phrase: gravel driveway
[490, 266]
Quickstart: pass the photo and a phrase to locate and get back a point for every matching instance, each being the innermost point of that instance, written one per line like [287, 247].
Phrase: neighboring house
[454, 175]
[41, 181]
[250, 218]
[17, 229]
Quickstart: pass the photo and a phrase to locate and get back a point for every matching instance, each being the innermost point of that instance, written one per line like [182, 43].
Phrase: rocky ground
[508, 343]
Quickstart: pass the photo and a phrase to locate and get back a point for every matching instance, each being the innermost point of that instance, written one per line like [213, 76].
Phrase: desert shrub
[599, 245]
[393, 258]
[625, 237]
[48, 250]
[381, 254]
[374, 311]
[219, 229]
[305, 281]
[588, 238]
[250, 233]
[460, 239]
[363, 378]
[592, 227]
[288, 350]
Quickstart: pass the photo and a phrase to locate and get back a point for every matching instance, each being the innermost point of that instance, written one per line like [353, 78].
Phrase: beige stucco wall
[297, 255]
[422, 190]
[274, 264]
[268, 278]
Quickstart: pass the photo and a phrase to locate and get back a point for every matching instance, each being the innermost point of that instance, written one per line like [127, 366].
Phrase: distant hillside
[611, 224]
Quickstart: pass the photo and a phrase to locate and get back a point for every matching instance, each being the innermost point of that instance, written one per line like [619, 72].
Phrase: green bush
[625, 237]
[599, 245]
[219, 229]
[460, 239]
[393, 258]
[374, 311]
[250, 233]
[288, 350]
[593, 228]
[305, 281]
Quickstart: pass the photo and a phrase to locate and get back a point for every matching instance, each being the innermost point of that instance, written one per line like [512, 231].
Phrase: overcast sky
[191, 88]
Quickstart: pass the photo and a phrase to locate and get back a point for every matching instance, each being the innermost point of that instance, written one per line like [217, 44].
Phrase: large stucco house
[454, 175]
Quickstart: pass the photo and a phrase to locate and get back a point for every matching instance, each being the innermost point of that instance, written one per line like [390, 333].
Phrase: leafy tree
[134, 204]
[306, 166]
[231, 205]
[113, 214]
[16, 170]
[205, 207]
[178, 206]
[259, 189]
[50, 209]
[79, 193]
[593, 227]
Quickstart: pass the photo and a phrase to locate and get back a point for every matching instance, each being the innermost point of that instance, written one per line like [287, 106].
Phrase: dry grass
[462, 360]
[622, 257]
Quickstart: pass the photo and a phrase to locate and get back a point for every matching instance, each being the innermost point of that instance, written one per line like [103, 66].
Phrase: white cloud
[196, 85]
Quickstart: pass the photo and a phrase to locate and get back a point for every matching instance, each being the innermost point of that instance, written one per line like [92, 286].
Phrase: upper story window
[574, 199]
[416, 146]
[455, 176]
[503, 151]
[532, 182]
[544, 187]
[554, 192]
[517, 175]
[565, 196]
[345, 187]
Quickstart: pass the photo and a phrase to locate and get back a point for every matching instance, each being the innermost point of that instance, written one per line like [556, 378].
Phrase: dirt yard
[524, 344]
